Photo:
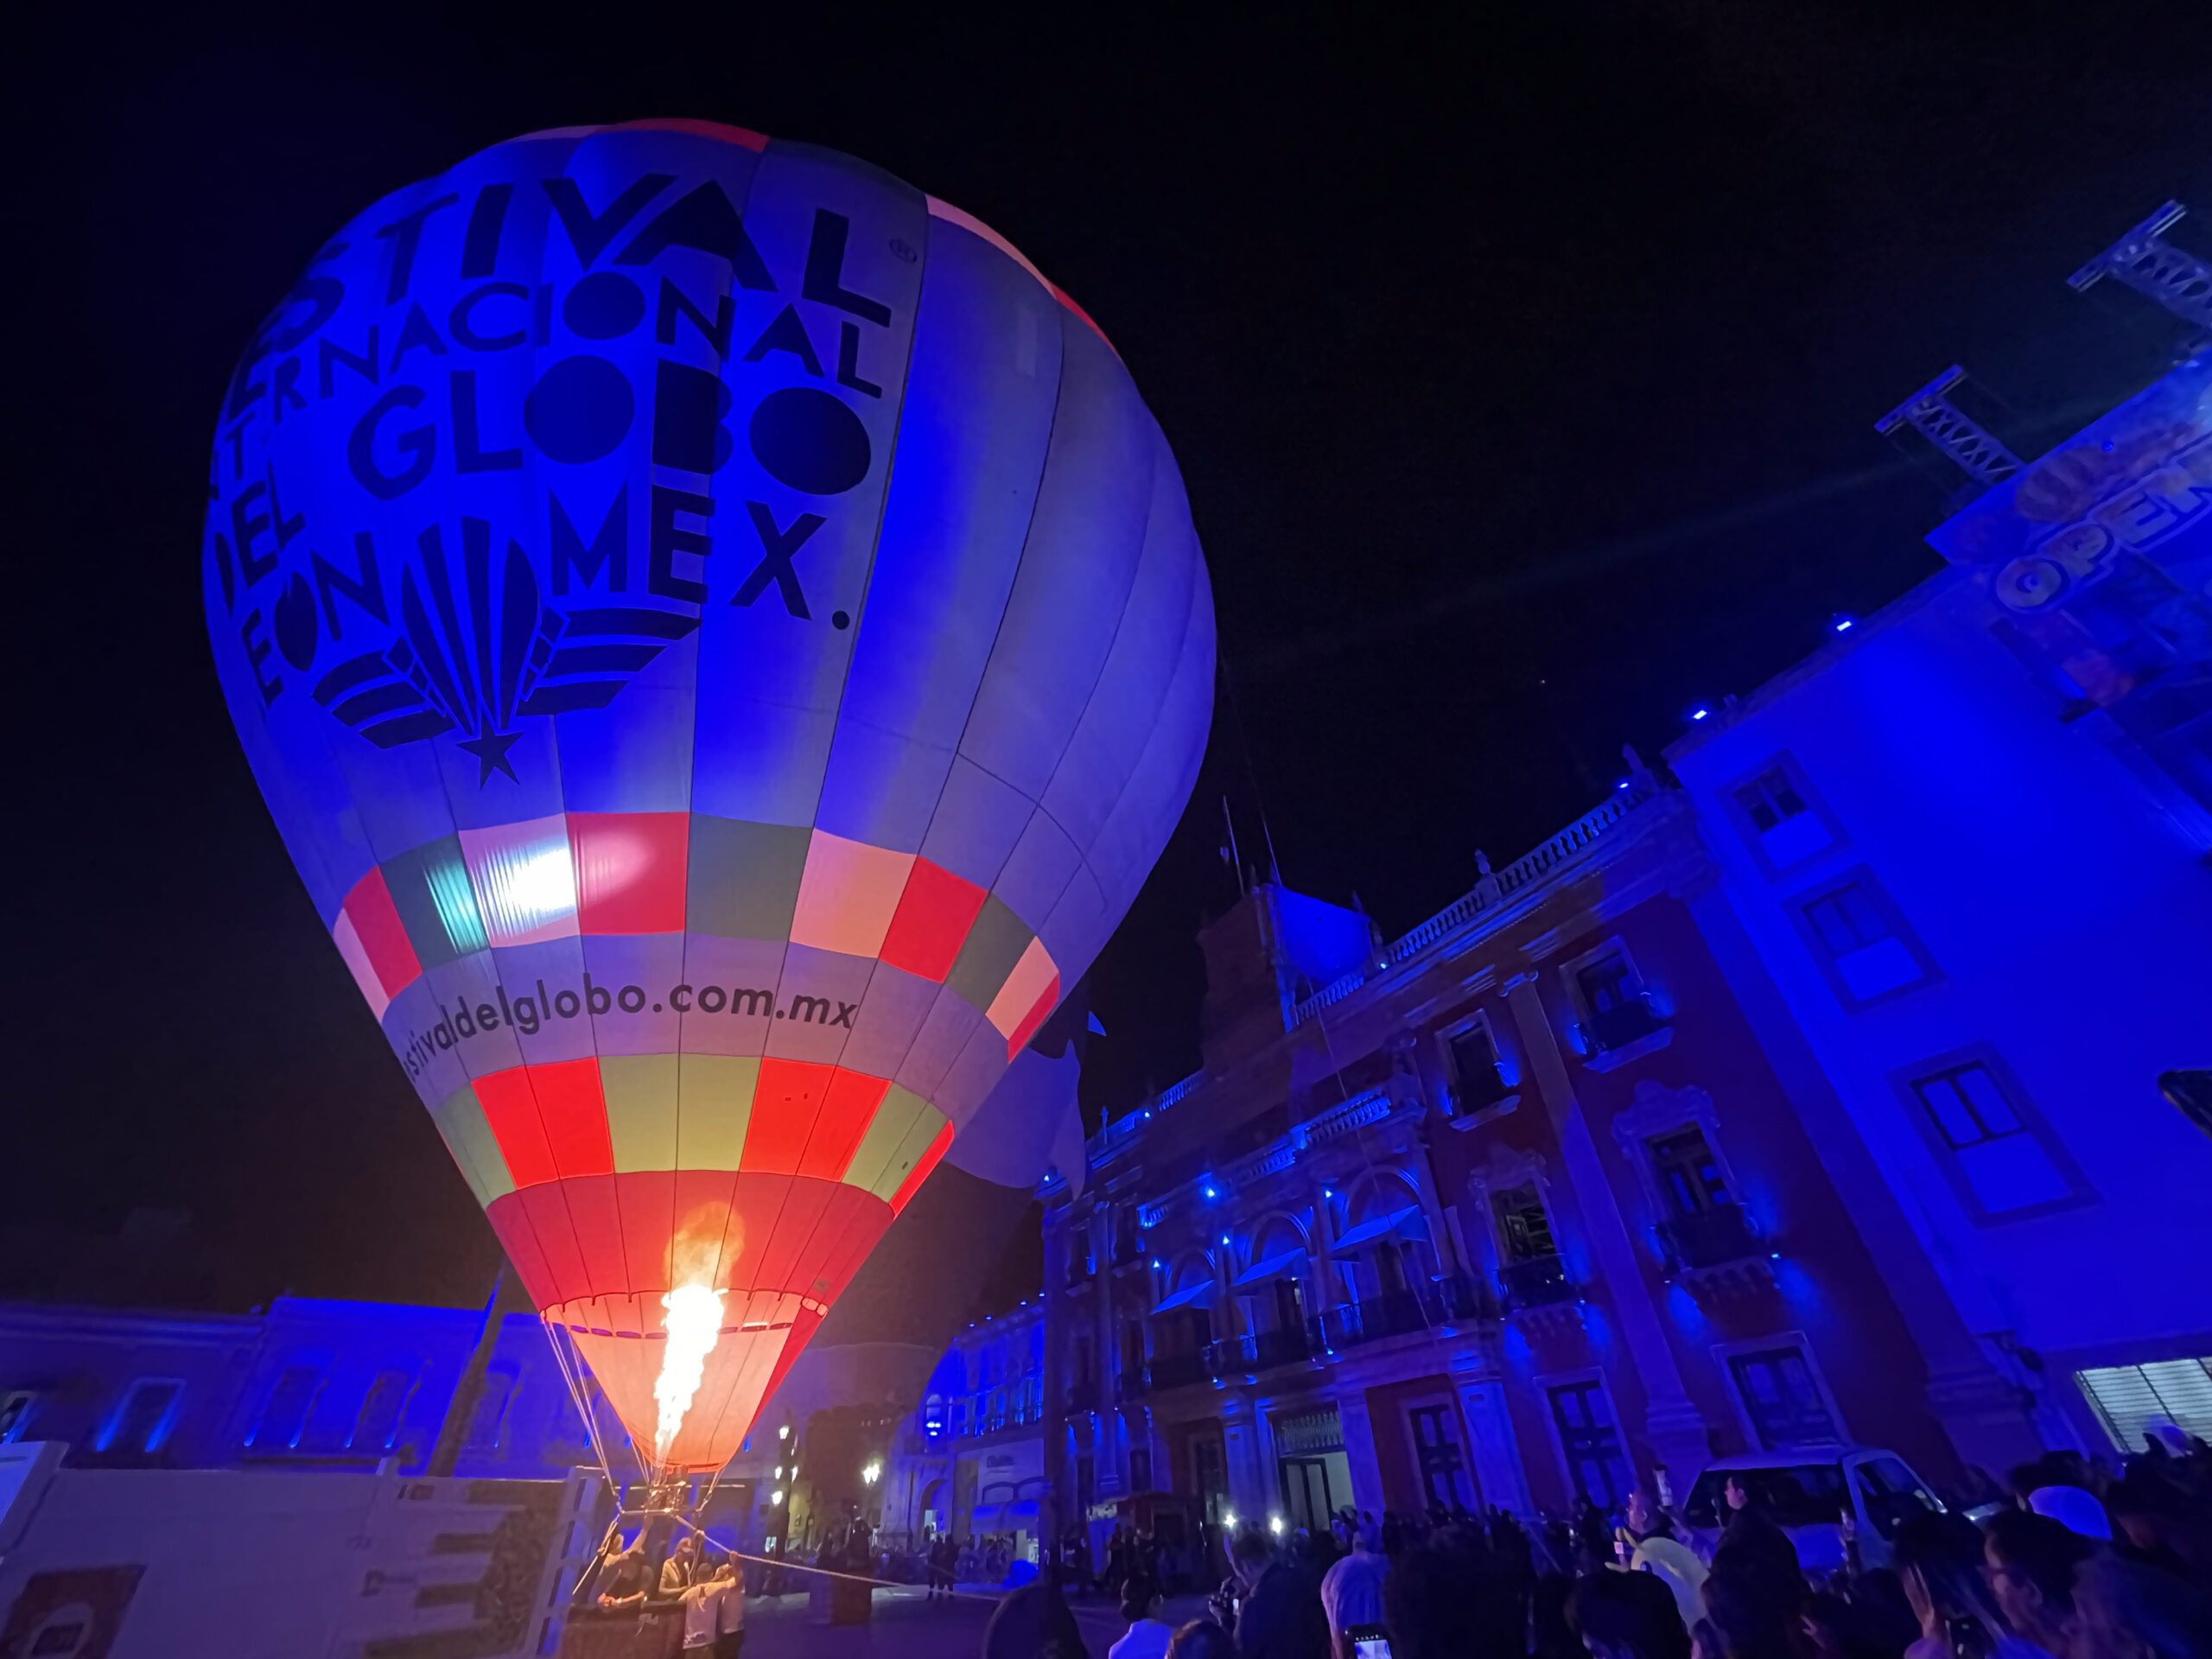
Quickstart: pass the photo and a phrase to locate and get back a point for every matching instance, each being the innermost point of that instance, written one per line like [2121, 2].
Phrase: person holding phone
[1938, 1557]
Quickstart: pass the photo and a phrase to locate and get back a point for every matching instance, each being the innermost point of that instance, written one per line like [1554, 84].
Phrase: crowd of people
[2081, 1562]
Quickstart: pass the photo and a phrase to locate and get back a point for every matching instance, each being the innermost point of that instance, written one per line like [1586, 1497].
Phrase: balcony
[1710, 1238]
[1259, 1352]
[1630, 1028]
[1539, 1281]
[1178, 1371]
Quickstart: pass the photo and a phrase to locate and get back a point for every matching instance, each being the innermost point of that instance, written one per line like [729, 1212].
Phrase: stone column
[1494, 1449]
[1673, 1429]
[1358, 1426]
[1328, 1284]
[1431, 1207]
[1240, 1452]
[1268, 1459]
[1106, 1337]
[1059, 1306]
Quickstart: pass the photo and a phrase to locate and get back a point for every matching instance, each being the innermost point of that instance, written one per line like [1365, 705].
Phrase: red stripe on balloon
[920, 1171]
[383, 935]
[744, 137]
[932, 922]
[573, 1109]
[630, 870]
[1034, 1018]
[510, 1108]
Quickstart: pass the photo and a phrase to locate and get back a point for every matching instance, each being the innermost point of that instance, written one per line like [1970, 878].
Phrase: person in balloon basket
[684, 1568]
[714, 1611]
[624, 1579]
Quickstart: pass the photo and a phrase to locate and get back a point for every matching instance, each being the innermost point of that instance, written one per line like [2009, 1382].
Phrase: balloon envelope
[723, 642]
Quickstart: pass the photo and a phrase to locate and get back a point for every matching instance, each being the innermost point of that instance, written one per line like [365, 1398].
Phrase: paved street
[907, 1624]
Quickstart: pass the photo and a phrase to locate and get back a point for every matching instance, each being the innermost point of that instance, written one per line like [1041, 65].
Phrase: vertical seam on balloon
[561, 793]
[859, 617]
[1083, 852]
[1039, 810]
[722, 1269]
[998, 631]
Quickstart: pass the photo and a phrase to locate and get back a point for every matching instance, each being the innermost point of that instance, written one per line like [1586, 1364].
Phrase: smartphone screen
[1369, 1641]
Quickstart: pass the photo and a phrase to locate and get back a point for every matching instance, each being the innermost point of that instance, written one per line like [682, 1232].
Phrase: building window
[376, 1425]
[2128, 1398]
[285, 1414]
[1998, 1155]
[1479, 1072]
[1140, 1469]
[1690, 1176]
[1779, 816]
[142, 1421]
[489, 1421]
[1524, 1231]
[1782, 1399]
[1618, 1018]
[1861, 942]
[1591, 1444]
[1438, 1459]
[17, 1408]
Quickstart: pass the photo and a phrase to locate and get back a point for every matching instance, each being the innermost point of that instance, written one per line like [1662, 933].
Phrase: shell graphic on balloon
[723, 642]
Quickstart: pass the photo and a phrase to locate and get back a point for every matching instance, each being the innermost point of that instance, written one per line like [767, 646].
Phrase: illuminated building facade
[969, 1459]
[1982, 909]
[1810, 1099]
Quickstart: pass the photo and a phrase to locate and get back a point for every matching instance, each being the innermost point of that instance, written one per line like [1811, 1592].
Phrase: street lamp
[784, 1432]
[1274, 1525]
[1229, 1520]
[776, 1496]
[873, 1473]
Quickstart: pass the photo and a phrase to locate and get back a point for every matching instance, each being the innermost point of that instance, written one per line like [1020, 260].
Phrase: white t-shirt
[1147, 1639]
[710, 1609]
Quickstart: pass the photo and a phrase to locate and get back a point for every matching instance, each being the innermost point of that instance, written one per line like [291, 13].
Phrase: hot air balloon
[722, 641]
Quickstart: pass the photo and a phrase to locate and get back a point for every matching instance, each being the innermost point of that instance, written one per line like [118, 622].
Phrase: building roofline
[1935, 585]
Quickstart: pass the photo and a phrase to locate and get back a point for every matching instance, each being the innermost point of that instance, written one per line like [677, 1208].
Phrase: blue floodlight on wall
[1210, 1191]
[1700, 712]
[1843, 624]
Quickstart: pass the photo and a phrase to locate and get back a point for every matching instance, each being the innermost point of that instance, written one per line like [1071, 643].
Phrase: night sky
[1523, 379]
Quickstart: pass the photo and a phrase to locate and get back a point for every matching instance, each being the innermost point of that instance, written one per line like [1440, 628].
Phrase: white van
[1808, 1493]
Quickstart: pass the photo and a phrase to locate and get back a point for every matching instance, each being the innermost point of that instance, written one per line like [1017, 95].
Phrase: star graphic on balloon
[491, 752]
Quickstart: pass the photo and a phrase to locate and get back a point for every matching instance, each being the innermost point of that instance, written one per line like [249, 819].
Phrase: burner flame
[694, 1324]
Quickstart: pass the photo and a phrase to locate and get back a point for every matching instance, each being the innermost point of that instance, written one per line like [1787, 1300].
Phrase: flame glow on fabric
[723, 642]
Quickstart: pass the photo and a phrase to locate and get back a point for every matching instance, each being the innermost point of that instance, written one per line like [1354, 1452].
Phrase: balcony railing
[1707, 1238]
[1455, 1300]
[1566, 848]
[1540, 1282]
[1625, 1022]
[1259, 1351]
[1175, 1370]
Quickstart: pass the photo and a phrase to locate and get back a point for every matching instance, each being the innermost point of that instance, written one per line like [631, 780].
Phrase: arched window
[376, 1424]
[1384, 1250]
[490, 1420]
[285, 1414]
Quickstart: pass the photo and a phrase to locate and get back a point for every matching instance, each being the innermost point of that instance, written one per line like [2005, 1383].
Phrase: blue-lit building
[1987, 916]
[970, 1458]
[1808, 1097]
[307, 1383]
